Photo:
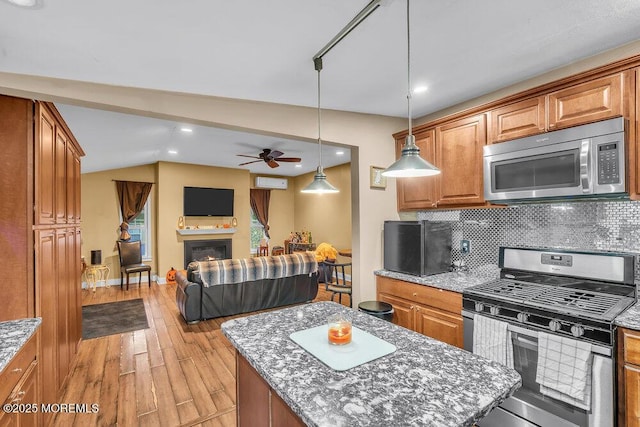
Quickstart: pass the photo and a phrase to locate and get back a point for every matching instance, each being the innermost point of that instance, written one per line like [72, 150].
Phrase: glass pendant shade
[410, 164]
[320, 185]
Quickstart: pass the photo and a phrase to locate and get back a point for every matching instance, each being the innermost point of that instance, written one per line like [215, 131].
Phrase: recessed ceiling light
[33, 4]
[172, 152]
[339, 153]
[186, 130]
[420, 89]
[298, 166]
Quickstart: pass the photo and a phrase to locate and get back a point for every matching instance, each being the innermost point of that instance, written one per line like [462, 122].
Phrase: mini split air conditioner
[273, 183]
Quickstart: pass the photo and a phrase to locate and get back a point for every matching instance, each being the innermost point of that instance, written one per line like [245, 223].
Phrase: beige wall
[327, 216]
[101, 214]
[171, 178]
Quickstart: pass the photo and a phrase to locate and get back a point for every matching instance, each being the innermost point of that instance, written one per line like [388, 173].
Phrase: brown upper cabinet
[517, 120]
[459, 157]
[455, 142]
[588, 102]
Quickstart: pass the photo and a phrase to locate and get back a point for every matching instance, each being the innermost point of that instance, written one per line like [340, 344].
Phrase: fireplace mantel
[194, 231]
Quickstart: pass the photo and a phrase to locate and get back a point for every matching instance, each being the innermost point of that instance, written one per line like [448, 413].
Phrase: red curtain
[259, 199]
[132, 196]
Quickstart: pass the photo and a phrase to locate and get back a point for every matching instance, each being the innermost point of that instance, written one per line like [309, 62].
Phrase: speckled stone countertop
[630, 318]
[13, 335]
[454, 281]
[424, 382]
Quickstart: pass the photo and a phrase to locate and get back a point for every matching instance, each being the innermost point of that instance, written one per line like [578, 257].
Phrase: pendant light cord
[318, 66]
[408, 70]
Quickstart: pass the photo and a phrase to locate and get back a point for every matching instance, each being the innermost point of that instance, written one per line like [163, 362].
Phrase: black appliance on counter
[420, 248]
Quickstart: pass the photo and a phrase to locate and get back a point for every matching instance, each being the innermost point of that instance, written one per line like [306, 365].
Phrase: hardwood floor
[171, 374]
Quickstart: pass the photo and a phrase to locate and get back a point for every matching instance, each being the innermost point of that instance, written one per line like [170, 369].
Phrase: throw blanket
[228, 271]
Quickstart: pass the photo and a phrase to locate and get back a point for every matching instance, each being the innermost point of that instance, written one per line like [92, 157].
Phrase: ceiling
[262, 51]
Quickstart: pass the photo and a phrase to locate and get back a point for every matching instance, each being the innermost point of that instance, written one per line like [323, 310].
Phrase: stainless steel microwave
[585, 161]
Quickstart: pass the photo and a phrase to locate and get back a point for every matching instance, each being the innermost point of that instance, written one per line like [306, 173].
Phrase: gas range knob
[494, 311]
[523, 317]
[479, 307]
[577, 331]
[555, 325]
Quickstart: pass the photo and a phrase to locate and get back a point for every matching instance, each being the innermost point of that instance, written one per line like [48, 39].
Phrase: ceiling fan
[270, 157]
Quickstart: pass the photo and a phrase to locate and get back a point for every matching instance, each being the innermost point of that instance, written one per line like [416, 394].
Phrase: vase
[181, 222]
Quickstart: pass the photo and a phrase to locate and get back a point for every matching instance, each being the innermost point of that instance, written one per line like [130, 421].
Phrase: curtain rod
[123, 180]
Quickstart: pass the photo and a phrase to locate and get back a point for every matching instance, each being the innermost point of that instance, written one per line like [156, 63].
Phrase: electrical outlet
[465, 246]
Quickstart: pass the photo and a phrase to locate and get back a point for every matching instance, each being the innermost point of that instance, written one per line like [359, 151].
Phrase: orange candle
[340, 333]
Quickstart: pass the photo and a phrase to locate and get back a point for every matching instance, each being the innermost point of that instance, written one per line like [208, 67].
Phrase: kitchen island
[424, 382]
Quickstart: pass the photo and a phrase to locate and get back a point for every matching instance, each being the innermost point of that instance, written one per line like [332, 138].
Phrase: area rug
[100, 320]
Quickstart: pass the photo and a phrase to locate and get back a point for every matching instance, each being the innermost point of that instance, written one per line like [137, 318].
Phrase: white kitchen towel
[491, 339]
[564, 369]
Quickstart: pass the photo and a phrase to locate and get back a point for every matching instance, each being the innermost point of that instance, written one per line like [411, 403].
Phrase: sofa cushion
[228, 271]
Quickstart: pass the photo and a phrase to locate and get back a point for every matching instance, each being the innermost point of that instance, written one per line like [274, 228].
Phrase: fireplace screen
[201, 250]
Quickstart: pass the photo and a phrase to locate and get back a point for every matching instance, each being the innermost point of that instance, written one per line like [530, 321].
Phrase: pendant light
[319, 185]
[410, 164]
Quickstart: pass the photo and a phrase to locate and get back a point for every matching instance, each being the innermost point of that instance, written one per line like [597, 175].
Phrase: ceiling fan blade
[254, 161]
[251, 157]
[272, 163]
[289, 159]
[275, 154]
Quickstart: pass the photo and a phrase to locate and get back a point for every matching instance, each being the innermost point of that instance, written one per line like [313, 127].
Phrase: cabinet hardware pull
[16, 370]
[415, 294]
[411, 308]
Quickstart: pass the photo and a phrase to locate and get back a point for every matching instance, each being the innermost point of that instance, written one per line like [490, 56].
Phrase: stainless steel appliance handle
[526, 342]
[585, 173]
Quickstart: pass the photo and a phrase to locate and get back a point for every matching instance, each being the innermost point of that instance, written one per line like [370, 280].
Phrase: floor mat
[100, 320]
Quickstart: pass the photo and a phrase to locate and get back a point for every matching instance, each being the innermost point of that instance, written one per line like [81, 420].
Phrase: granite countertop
[424, 382]
[13, 335]
[454, 281]
[630, 318]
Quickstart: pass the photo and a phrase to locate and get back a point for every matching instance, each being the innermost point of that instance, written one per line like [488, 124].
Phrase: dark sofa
[225, 287]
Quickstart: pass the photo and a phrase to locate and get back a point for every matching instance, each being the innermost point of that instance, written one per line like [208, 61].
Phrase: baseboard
[132, 281]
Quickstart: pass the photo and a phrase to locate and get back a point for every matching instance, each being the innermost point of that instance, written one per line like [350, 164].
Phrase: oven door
[529, 407]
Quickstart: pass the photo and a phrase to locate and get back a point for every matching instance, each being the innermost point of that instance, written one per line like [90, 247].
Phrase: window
[140, 229]
[257, 232]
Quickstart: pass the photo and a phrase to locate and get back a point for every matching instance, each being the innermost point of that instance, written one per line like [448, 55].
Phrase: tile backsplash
[596, 226]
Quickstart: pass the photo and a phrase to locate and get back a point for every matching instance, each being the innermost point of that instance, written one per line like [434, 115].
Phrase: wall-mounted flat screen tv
[199, 201]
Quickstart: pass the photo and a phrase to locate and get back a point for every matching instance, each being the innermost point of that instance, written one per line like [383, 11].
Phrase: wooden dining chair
[130, 255]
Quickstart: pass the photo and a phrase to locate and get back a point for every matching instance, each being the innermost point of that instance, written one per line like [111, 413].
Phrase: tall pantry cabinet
[40, 180]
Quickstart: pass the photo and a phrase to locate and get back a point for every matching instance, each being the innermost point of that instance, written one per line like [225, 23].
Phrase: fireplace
[200, 250]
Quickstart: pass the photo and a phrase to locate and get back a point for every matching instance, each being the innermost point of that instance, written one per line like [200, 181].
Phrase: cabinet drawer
[631, 347]
[16, 368]
[434, 297]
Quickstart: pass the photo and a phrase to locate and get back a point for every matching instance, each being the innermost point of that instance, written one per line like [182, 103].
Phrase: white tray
[363, 347]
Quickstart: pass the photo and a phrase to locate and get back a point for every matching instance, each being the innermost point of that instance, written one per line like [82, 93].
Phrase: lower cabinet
[434, 312]
[628, 378]
[257, 404]
[21, 374]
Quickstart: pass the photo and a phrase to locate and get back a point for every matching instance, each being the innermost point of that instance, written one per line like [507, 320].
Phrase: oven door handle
[585, 173]
[525, 342]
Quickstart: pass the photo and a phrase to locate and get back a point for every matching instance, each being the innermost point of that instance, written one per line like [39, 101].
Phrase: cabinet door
[252, 396]
[445, 327]
[62, 312]
[403, 311]
[61, 176]
[418, 192]
[632, 398]
[459, 157]
[29, 394]
[45, 178]
[75, 309]
[46, 308]
[517, 120]
[70, 184]
[587, 102]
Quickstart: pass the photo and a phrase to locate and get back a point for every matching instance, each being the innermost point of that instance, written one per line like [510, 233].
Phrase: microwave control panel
[608, 160]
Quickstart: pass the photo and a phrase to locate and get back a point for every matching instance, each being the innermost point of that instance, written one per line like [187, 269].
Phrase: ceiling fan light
[410, 164]
[319, 185]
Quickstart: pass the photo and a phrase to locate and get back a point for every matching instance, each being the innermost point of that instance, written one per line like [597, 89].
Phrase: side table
[94, 274]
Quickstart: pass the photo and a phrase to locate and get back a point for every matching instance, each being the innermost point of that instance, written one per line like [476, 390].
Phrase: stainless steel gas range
[552, 306]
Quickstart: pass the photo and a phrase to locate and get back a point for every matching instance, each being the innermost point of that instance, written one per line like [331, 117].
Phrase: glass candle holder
[339, 329]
